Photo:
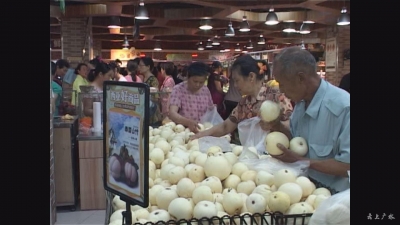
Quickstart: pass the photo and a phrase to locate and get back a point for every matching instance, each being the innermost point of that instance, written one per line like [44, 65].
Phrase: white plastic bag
[211, 116]
[334, 210]
[206, 142]
[272, 165]
[252, 135]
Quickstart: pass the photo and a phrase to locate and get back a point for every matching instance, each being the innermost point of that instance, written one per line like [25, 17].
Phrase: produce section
[188, 183]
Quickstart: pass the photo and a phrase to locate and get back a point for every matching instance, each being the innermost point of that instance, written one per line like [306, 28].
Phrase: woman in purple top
[215, 84]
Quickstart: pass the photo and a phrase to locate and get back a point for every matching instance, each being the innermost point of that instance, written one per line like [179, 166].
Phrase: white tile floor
[66, 217]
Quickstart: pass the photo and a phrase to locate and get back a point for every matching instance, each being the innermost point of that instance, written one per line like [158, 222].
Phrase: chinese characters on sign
[55, 44]
[377, 217]
[133, 137]
[124, 97]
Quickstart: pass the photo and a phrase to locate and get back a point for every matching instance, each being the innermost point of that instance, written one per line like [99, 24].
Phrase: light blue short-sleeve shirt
[325, 124]
[70, 76]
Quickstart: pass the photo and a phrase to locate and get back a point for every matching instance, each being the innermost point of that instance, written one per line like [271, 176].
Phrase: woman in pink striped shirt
[166, 69]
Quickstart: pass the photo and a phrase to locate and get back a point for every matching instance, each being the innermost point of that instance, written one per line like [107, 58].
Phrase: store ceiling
[176, 23]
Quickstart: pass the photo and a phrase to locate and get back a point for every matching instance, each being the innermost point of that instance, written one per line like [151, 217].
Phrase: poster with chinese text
[124, 141]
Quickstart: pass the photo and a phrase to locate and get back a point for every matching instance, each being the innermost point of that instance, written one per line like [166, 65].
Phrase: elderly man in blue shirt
[321, 116]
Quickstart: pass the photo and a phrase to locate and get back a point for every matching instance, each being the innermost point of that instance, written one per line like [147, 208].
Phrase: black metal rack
[245, 219]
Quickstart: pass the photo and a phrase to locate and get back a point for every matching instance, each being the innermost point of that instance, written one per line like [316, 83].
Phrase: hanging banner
[331, 55]
[121, 54]
[179, 57]
[220, 56]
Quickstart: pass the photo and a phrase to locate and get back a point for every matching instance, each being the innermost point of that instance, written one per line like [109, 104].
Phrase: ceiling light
[244, 25]
[250, 45]
[200, 46]
[245, 50]
[209, 43]
[237, 49]
[305, 28]
[115, 23]
[141, 13]
[222, 50]
[215, 41]
[303, 46]
[289, 28]
[230, 32]
[272, 18]
[157, 46]
[308, 21]
[261, 40]
[126, 42]
[344, 18]
[205, 25]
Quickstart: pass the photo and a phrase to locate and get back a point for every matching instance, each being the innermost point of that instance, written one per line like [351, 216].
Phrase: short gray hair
[293, 60]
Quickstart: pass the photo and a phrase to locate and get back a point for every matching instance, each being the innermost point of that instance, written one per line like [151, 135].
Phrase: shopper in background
[264, 70]
[175, 75]
[146, 66]
[345, 83]
[132, 68]
[96, 77]
[215, 85]
[191, 99]
[58, 70]
[138, 74]
[118, 62]
[250, 83]
[182, 75]
[157, 73]
[232, 98]
[69, 78]
[166, 69]
[321, 116]
[116, 75]
[81, 72]
[101, 73]
[93, 63]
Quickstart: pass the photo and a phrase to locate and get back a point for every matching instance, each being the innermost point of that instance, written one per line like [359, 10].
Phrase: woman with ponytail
[101, 73]
[96, 77]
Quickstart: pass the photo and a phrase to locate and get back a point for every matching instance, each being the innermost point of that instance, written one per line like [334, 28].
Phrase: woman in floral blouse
[250, 83]
[146, 65]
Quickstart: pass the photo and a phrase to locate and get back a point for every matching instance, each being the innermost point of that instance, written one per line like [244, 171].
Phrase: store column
[53, 214]
[73, 35]
[342, 34]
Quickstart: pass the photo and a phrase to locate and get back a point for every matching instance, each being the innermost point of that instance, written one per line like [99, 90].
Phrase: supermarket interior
[199, 112]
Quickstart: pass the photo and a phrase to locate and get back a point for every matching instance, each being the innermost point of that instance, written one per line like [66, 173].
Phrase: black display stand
[127, 215]
[130, 147]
